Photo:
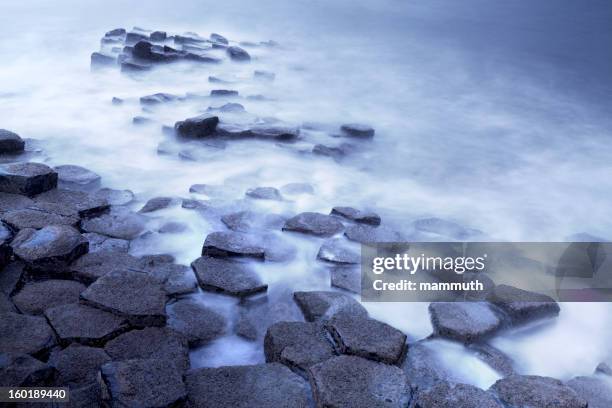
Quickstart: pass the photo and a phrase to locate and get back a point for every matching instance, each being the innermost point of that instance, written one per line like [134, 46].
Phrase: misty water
[494, 116]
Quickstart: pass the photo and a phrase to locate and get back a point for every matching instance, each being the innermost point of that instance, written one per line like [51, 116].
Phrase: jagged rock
[221, 275]
[11, 202]
[22, 370]
[264, 193]
[223, 92]
[102, 243]
[349, 381]
[273, 132]
[11, 277]
[145, 51]
[320, 305]
[536, 391]
[367, 338]
[50, 248]
[197, 127]
[36, 297]
[495, 358]
[77, 364]
[116, 225]
[38, 217]
[337, 251]
[157, 98]
[595, 390]
[81, 203]
[320, 225]
[256, 386]
[10, 142]
[467, 322]
[114, 197]
[218, 38]
[523, 306]
[136, 296]
[73, 177]
[144, 383]
[199, 324]
[92, 266]
[27, 179]
[298, 345]
[25, 334]
[224, 244]
[363, 217]
[150, 343]
[366, 234]
[238, 54]
[357, 130]
[449, 395]
[297, 188]
[83, 324]
[346, 277]
[157, 203]
[117, 32]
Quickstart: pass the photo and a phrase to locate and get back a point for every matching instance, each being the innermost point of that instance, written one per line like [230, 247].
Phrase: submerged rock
[197, 127]
[264, 193]
[196, 322]
[495, 358]
[349, 381]
[297, 188]
[27, 179]
[536, 391]
[423, 367]
[256, 386]
[36, 297]
[22, 370]
[264, 75]
[466, 322]
[156, 203]
[450, 395]
[247, 221]
[25, 334]
[10, 142]
[320, 305]
[238, 54]
[156, 99]
[255, 315]
[223, 92]
[224, 244]
[221, 275]
[101, 60]
[317, 224]
[346, 277]
[357, 130]
[337, 251]
[366, 234]
[73, 177]
[595, 390]
[523, 306]
[114, 197]
[353, 214]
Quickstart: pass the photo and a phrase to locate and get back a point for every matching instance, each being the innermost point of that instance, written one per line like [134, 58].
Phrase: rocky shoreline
[77, 310]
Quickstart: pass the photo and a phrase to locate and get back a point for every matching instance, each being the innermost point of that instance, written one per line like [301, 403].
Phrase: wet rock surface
[321, 305]
[353, 214]
[264, 193]
[523, 306]
[10, 142]
[450, 395]
[27, 179]
[36, 297]
[73, 177]
[336, 250]
[197, 323]
[357, 130]
[197, 127]
[316, 224]
[228, 244]
[255, 386]
[222, 275]
[467, 322]
[595, 390]
[116, 225]
[365, 234]
[536, 391]
[346, 277]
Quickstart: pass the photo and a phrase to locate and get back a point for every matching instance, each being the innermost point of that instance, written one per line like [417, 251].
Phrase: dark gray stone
[117, 32]
[349, 381]
[256, 386]
[335, 152]
[22, 370]
[36, 297]
[133, 37]
[595, 390]
[320, 305]
[142, 120]
[102, 243]
[81, 203]
[197, 127]
[10, 142]
[11, 277]
[114, 197]
[222, 275]
[157, 203]
[523, 306]
[346, 277]
[247, 221]
[449, 395]
[150, 343]
[27, 179]
[224, 244]
[6, 305]
[116, 225]
[73, 177]
[136, 296]
[467, 322]
[223, 92]
[353, 214]
[37, 217]
[158, 36]
[130, 66]
[156, 99]
[495, 358]
[264, 193]
[10, 202]
[218, 38]
[49, 249]
[117, 101]
[77, 365]
[6, 252]
[176, 280]
[198, 323]
[366, 234]
[101, 60]
[536, 391]
[231, 107]
[367, 338]
[423, 367]
[275, 133]
[238, 54]
[311, 223]
[335, 250]
[92, 266]
[357, 130]
[83, 324]
[25, 334]
[144, 383]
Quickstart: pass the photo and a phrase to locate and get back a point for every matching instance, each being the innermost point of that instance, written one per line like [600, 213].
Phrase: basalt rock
[114, 197]
[116, 225]
[36, 297]
[102, 243]
[466, 322]
[102, 60]
[225, 244]
[450, 395]
[222, 275]
[523, 306]
[92, 266]
[218, 38]
[6, 305]
[73, 177]
[11, 202]
[6, 252]
[311, 223]
[320, 305]
[595, 390]
[257, 314]
[197, 127]
[495, 358]
[81, 203]
[335, 250]
[77, 364]
[536, 391]
[37, 217]
[357, 130]
[248, 221]
[27, 179]
[176, 280]
[10, 142]
[366, 234]
[423, 367]
[346, 277]
[197, 323]
[25, 334]
[158, 36]
[22, 370]
[230, 107]
[223, 92]
[157, 203]
[238, 54]
[11, 278]
[156, 99]
[356, 215]
[264, 193]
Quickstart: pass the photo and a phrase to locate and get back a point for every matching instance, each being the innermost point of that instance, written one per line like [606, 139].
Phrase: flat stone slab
[336, 250]
[92, 266]
[10, 202]
[298, 345]
[256, 386]
[103, 243]
[536, 391]
[196, 322]
[175, 279]
[36, 297]
[79, 202]
[150, 343]
[523, 306]
[83, 324]
[350, 381]
[73, 177]
[367, 338]
[316, 224]
[116, 225]
[264, 193]
[466, 322]
[144, 383]
[346, 277]
[595, 390]
[197, 127]
[37, 217]
[357, 130]
[323, 305]
[225, 276]
[224, 244]
[247, 221]
[10, 142]
[366, 234]
[77, 364]
[156, 204]
[495, 358]
[25, 334]
[353, 214]
[50, 248]
[22, 370]
[449, 395]
[114, 197]
[136, 296]
[27, 179]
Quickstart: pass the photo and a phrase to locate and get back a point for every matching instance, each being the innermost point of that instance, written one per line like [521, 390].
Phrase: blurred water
[493, 115]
